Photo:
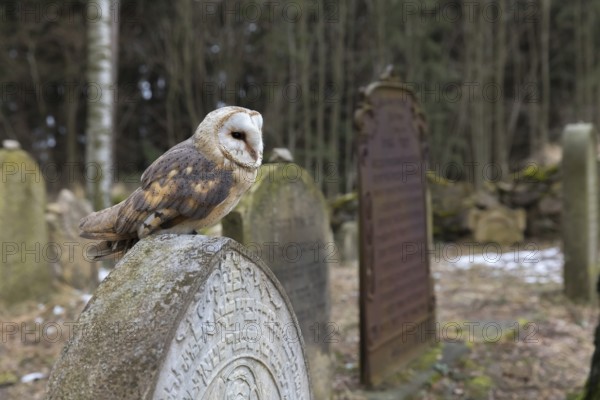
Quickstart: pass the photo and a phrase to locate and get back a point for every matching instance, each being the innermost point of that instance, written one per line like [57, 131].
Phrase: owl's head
[237, 132]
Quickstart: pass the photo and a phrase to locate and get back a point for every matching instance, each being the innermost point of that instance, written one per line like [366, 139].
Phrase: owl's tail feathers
[110, 250]
[100, 225]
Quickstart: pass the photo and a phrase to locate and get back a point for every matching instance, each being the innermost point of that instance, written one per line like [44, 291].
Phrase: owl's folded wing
[182, 184]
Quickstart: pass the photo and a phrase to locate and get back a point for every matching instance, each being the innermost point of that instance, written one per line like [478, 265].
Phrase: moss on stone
[536, 172]
[8, 378]
[478, 387]
[343, 201]
[436, 179]
[428, 358]
[422, 363]
[578, 395]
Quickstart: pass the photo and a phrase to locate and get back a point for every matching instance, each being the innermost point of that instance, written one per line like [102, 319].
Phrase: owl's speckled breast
[243, 180]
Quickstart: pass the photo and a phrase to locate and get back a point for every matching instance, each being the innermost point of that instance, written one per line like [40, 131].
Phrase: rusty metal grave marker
[397, 304]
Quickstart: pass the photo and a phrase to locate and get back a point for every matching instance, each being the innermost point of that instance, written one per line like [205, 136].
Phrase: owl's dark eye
[238, 135]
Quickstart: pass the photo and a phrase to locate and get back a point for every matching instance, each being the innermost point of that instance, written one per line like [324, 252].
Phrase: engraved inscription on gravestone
[206, 320]
[283, 219]
[397, 301]
[231, 344]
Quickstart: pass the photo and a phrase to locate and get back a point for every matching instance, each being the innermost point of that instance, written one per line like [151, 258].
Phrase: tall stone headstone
[397, 301]
[580, 211]
[283, 219]
[24, 270]
[185, 317]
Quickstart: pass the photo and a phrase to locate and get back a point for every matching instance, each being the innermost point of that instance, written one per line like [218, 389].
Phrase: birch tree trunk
[100, 117]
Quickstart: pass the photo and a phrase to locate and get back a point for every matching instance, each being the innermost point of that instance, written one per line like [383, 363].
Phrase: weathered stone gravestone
[185, 317]
[347, 241]
[24, 270]
[67, 253]
[281, 154]
[283, 219]
[498, 224]
[397, 302]
[580, 211]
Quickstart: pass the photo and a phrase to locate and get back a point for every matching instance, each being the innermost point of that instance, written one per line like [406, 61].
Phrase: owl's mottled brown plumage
[193, 185]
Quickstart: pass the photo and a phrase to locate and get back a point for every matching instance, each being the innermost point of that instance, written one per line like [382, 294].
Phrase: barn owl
[192, 186]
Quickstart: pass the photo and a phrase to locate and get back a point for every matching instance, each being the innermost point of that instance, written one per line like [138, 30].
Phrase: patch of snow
[32, 377]
[102, 273]
[58, 310]
[531, 264]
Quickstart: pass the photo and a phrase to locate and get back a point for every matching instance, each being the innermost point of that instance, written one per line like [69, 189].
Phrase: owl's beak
[255, 145]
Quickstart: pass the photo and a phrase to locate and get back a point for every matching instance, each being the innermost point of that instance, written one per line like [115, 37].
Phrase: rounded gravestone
[24, 270]
[185, 317]
[283, 219]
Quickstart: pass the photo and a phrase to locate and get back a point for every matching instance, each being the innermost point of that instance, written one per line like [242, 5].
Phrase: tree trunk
[349, 133]
[305, 57]
[293, 79]
[535, 144]
[321, 94]
[100, 75]
[186, 48]
[475, 36]
[333, 168]
[545, 64]
[579, 62]
[501, 149]
[589, 63]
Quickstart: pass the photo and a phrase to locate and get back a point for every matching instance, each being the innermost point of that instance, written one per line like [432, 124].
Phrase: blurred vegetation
[497, 78]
